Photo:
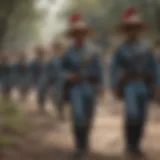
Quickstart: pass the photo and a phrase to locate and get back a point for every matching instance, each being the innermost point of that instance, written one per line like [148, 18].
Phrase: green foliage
[11, 122]
[18, 23]
[22, 25]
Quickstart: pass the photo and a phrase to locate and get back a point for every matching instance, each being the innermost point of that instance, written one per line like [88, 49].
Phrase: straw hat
[76, 24]
[131, 18]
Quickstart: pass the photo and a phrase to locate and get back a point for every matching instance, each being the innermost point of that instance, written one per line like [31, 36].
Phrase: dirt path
[48, 139]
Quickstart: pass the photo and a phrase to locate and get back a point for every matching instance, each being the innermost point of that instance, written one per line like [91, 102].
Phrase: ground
[49, 139]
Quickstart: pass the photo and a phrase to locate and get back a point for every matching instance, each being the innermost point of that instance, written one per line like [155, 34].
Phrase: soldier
[58, 50]
[82, 73]
[134, 72]
[48, 78]
[21, 72]
[36, 66]
[5, 73]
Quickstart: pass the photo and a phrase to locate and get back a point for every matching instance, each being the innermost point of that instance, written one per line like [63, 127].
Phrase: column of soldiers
[16, 74]
[77, 76]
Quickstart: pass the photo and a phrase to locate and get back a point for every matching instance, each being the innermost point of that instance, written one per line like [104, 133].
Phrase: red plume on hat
[75, 17]
[128, 13]
[76, 21]
[131, 17]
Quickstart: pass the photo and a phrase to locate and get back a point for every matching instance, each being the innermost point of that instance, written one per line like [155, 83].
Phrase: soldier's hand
[73, 77]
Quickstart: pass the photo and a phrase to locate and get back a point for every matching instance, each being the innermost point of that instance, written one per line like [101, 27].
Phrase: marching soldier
[134, 76]
[36, 66]
[82, 74]
[58, 50]
[5, 75]
[48, 78]
[21, 72]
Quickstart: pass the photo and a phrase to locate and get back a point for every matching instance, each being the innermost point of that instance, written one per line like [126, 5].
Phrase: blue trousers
[136, 98]
[42, 94]
[82, 98]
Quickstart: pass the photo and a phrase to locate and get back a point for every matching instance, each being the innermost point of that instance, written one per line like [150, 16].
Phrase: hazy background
[24, 23]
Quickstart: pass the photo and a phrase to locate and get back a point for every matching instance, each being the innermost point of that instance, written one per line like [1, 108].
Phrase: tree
[7, 8]
[21, 25]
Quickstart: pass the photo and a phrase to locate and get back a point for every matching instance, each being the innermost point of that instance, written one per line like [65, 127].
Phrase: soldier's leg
[59, 106]
[60, 111]
[131, 116]
[89, 109]
[142, 103]
[135, 118]
[77, 104]
[56, 103]
[41, 98]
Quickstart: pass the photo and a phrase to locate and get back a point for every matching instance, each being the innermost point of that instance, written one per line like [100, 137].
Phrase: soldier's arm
[114, 70]
[155, 68]
[156, 76]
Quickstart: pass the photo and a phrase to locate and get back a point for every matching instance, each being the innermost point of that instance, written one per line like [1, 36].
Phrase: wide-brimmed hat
[76, 24]
[131, 18]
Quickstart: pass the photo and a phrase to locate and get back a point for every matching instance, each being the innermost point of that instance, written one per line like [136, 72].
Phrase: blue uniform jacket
[135, 58]
[83, 63]
[49, 77]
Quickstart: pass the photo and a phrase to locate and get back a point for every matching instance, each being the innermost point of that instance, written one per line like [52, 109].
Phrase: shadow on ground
[54, 153]
[51, 153]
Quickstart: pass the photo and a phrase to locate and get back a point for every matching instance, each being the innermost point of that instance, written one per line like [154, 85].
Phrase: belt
[136, 76]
